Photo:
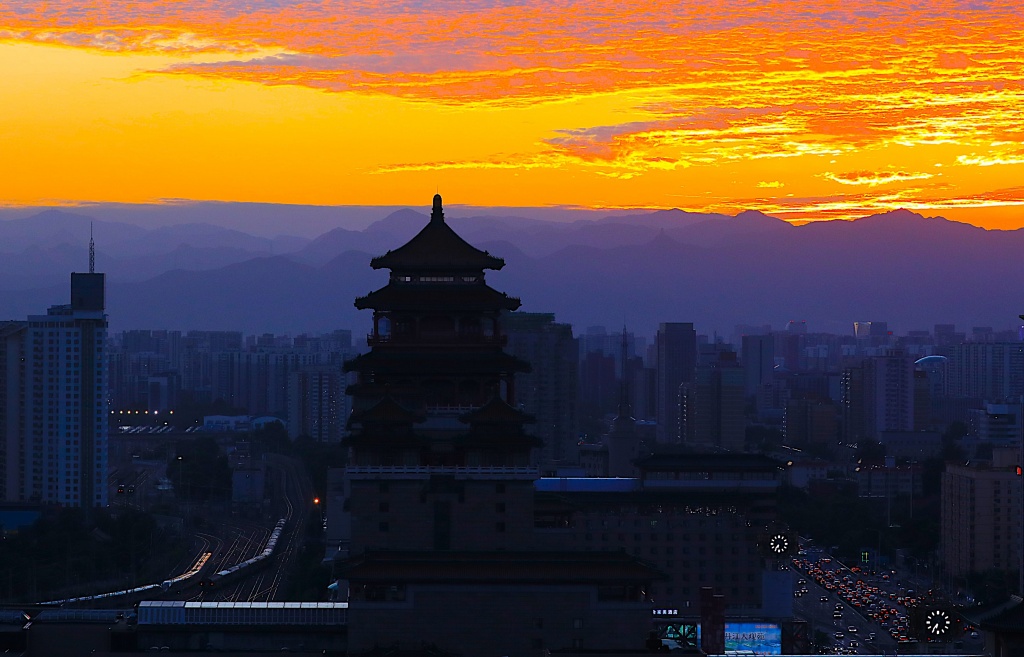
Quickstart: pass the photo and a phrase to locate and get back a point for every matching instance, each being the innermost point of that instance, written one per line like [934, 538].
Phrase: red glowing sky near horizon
[804, 110]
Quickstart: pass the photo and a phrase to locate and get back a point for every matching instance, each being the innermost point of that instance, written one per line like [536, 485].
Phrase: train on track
[190, 577]
[246, 568]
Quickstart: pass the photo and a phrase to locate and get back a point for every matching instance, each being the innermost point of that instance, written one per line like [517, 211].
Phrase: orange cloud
[594, 102]
[873, 178]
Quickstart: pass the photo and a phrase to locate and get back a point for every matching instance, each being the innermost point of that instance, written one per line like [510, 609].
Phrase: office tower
[12, 400]
[717, 409]
[54, 433]
[985, 370]
[788, 349]
[981, 514]
[548, 392]
[623, 441]
[758, 361]
[983, 334]
[878, 395]
[810, 422]
[999, 424]
[893, 391]
[598, 385]
[944, 334]
[317, 403]
[677, 357]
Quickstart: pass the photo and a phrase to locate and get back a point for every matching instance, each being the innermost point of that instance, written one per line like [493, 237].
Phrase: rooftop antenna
[92, 252]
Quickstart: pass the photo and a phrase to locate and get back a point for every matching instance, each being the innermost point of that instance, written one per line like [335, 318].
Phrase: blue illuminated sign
[751, 639]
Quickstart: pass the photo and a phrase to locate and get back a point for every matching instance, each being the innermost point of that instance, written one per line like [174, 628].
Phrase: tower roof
[496, 411]
[437, 248]
[469, 297]
[471, 362]
[386, 412]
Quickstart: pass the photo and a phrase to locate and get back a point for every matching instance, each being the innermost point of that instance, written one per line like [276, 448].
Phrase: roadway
[852, 606]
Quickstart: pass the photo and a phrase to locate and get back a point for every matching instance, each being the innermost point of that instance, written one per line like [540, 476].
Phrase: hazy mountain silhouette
[714, 270]
[52, 227]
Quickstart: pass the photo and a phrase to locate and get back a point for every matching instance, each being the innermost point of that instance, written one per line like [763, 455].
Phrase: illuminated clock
[779, 544]
[937, 622]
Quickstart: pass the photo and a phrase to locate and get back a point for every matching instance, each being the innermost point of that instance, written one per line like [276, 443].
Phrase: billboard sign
[752, 638]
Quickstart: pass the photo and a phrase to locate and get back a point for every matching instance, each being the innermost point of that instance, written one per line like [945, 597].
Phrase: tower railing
[500, 472]
[434, 340]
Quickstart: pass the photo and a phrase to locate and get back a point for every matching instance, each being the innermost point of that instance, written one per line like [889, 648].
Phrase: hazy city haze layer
[642, 269]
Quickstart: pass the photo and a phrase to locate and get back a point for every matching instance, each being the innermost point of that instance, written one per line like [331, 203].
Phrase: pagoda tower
[434, 421]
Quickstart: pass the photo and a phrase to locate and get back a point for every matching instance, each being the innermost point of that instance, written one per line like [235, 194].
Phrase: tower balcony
[373, 340]
[425, 472]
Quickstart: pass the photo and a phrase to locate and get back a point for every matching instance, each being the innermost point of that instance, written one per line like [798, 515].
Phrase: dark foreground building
[441, 480]
[458, 543]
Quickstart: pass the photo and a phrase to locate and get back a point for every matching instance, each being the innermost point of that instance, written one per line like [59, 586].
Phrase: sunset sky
[804, 110]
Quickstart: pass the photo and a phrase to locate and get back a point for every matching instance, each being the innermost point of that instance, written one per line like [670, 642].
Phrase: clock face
[937, 622]
[779, 543]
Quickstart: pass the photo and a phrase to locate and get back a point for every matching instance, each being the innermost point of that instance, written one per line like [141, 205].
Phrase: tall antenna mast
[92, 252]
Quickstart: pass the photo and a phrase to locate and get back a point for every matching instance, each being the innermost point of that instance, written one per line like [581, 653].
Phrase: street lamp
[320, 508]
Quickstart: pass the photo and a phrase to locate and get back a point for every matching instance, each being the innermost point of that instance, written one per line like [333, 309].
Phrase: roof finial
[92, 252]
[437, 214]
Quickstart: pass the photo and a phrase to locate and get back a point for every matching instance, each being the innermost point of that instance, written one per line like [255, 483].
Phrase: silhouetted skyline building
[758, 361]
[990, 371]
[677, 359]
[548, 392]
[54, 373]
[716, 405]
[981, 514]
[317, 404]
[878, 395]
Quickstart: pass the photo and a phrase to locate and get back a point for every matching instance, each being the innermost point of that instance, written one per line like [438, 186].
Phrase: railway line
[246, 562]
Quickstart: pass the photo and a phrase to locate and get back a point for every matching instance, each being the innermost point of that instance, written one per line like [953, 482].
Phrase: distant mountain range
[714, 270]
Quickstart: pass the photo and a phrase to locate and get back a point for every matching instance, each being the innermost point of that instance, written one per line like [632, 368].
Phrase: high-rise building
[892, 386]
[598, 385]
[981, 514]
[717, 406]
[623, 441]
[810, 422]
[548, 392]
[677, 358]
[985, 370]
[317, 404]
[55, 401]
[878, 395]
[999, 424]
[758, 361]
[12, 401]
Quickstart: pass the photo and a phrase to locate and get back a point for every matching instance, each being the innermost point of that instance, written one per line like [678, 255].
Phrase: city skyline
[899, 267]
[801, 111]
[690, 509]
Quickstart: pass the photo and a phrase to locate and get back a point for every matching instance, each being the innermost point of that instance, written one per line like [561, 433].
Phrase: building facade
[676, 344]
[55, 397]
[979, 370]
[548, 391]
[981, 512]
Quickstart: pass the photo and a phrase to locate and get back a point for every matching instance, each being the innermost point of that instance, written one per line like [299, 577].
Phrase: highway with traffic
[867, 612]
